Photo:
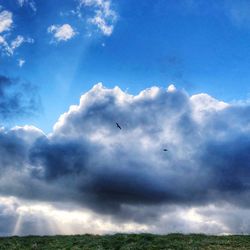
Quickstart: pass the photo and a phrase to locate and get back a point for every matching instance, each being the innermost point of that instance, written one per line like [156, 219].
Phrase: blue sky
[201, 46]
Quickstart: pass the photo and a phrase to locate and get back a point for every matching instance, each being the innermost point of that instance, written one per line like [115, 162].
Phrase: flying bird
[118, 126]
[165, 149]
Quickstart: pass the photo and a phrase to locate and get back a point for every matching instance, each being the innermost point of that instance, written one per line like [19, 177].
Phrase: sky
[173, 74]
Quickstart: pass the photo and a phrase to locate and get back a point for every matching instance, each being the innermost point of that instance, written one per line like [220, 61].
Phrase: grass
[127, 242]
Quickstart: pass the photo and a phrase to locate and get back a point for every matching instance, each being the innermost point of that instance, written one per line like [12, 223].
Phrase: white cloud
[104, 16]
[7, 46]
[62, 33]
[17, 42]
[102, 25]
[171, 88]
[61, 218]
[51, 220]
[6, 21]
[21, 62]
[4, 45]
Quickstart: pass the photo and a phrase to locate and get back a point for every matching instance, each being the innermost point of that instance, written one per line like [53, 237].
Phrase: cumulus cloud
[17, 98]
[5, 20]
[62, 33]
[104, 17]
[125, 174]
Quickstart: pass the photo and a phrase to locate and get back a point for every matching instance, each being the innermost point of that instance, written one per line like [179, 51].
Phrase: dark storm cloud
[59, 159]
[13, 151]
[17, 98]
[227, 164]
[89, 161]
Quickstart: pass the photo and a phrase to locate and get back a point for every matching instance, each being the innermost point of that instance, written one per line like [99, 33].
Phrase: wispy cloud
[21, 62]
[9, 48]
[62, 33]
[7, 45]
[238, 12]
[104, 17]
[29, 3]
[17, 42]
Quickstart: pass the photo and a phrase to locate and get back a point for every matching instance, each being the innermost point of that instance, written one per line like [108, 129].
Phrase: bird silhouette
[118, 126]
[165, 149]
